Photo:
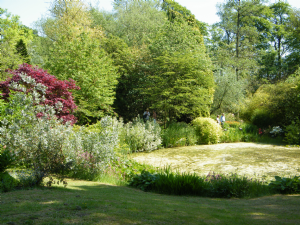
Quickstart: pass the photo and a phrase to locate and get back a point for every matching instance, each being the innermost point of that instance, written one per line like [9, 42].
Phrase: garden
[75, 147]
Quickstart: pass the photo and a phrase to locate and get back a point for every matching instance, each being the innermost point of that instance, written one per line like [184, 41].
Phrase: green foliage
[229, 93]
[7, 182]
[177, 12]
[274, 104]
[13, 35]
[144, 181]
[140, 136]
[292, 133]
[286, 185]
[178, 134]
[213, 185]
[208, 131]
[6, 159]
[137, 21]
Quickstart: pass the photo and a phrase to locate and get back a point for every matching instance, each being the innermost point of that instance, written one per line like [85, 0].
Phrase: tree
[12, 35]
[229, 93]
[176, 11]
[76, 52]
[239, 36]
[180, 81]
[57, 93]
[137, 21]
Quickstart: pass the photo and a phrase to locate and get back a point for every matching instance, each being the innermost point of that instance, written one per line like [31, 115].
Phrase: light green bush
[208, 131]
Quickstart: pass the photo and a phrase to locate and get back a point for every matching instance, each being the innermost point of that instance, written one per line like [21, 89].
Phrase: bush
[6, 159]
[179, 134]
[140, 136]
[208, 131]
[292, 135]
[56, 92]
[286, 185]
[38, 140]
[7, 182]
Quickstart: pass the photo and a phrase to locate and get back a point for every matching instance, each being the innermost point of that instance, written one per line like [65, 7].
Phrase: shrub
[7, 182]
[179, 134]
[89, 153]
[57, 93]
[6, 159]
[140, 136]
[208, 131]
[292, 135]
[286, 185]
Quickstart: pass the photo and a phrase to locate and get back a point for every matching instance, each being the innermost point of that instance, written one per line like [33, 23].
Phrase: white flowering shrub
[276, 131]
[142, 136]
[36, 138]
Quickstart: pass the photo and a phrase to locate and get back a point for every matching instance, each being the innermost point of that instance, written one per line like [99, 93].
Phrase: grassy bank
[83, 202]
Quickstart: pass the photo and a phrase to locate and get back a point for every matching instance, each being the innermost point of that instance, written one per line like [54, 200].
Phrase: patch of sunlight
[49, 202]
[257, 214]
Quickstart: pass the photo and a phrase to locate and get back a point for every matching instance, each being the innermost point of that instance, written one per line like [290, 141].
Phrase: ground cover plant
[86, 202]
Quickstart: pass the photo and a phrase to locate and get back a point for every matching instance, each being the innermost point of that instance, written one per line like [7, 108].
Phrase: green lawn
[84, 202]
[251, 159]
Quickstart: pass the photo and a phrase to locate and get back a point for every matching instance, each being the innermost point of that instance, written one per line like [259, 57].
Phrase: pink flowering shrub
[58, 92]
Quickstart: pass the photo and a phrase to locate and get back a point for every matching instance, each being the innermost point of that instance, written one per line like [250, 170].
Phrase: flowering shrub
[142, 136]
[47, 145]
[57, 93]
[276, 131]
[207, 130]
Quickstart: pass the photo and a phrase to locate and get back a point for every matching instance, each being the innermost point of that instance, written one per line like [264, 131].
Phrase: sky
[32, 10]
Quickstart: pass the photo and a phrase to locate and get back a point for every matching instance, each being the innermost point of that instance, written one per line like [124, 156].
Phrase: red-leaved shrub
[57, 90]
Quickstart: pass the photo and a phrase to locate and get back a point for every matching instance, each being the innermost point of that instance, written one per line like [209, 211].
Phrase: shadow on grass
[85, 202]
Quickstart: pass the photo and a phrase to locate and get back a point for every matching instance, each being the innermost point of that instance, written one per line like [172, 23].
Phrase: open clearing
[250, 159]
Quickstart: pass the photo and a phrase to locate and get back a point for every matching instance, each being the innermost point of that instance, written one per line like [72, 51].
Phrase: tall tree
[240, 36]
[12, 35]
[75, 52]
[137, 21]
[180, 82]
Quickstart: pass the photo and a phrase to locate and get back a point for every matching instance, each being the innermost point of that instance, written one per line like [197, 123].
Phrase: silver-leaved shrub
[142, 136]
[37, 139]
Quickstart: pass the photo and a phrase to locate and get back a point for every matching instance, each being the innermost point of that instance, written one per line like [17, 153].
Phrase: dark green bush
[212, 185]
[144, 181]
[262, 118]
[6, 159]
[286, 185]
[7, 182]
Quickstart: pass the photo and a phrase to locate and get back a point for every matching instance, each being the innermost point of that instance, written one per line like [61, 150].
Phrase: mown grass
[86, 202]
